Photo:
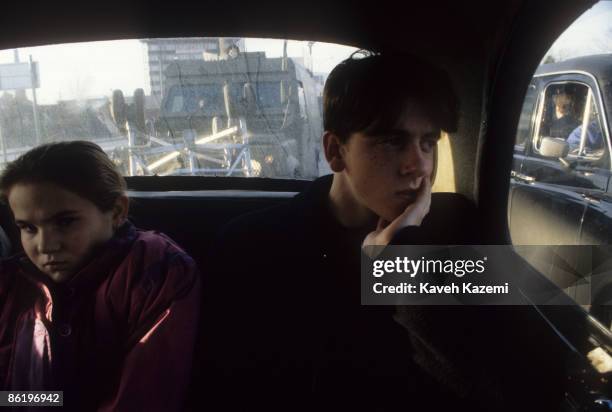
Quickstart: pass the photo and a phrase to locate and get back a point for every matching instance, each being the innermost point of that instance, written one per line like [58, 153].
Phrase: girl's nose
[48, 242]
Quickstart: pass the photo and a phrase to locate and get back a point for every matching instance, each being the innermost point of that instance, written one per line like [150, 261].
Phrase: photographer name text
[429, 289]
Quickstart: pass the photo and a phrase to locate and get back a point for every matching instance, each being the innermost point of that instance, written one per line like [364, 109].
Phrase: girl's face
[59, 229]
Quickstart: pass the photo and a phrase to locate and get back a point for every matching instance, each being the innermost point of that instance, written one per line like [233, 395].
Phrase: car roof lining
[384, 27]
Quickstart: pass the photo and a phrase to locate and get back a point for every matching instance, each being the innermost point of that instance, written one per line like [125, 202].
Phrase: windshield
[175, 106]
[194, 98]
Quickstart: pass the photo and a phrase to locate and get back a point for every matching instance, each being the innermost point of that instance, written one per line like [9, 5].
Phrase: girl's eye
[27, 228]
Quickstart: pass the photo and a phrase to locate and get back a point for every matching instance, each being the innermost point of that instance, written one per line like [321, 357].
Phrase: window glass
[559, 186]
[194, 98]
[562, 110]
[587, 140]
[570, 121]
[268, 94]
[566, 108]
[524, 129]
[176, 106]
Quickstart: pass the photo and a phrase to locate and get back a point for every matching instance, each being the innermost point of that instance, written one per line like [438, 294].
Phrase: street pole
[34, 103]
[161, 71]
[3, 142]
[310, 60]
[131, 142]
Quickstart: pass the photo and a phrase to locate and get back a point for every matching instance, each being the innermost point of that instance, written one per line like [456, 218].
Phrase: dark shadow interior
[491, 50]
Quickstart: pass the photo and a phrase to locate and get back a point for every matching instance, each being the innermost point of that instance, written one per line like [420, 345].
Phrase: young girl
[94, 307]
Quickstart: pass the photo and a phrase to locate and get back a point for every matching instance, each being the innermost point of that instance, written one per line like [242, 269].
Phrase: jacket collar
[318, 221]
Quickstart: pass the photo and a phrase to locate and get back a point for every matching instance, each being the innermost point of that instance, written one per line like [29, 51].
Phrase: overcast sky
[589, 34]
[95, 69]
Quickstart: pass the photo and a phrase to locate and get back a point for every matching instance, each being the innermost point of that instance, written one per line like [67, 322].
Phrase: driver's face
[384, 170]
[563, 104]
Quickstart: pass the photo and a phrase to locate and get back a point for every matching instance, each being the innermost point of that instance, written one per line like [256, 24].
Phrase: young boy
[284, 326]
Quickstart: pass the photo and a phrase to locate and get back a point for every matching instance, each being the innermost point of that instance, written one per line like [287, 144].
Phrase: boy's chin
[390, 215]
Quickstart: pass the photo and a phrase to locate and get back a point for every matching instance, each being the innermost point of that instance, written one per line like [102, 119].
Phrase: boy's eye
[65, 222]
[393, 141]
[428, 145]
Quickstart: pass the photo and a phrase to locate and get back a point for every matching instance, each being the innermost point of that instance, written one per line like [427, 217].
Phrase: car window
[209, 106]
[560, 199]
[525, 126]
[569, 112]
[194, 98]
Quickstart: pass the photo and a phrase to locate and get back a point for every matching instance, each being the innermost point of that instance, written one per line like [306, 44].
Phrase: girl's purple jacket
[119, 335]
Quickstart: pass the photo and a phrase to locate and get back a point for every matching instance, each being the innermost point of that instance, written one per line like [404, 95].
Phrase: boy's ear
[120, 210]
[333, 153]
[432, 179]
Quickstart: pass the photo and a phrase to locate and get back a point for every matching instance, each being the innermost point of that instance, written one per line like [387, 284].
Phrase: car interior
[490, 49]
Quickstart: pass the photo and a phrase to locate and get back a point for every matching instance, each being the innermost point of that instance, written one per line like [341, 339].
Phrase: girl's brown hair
[80, 167]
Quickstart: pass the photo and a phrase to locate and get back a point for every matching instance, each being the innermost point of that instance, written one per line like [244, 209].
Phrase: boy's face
[385, 170]
[59, 229]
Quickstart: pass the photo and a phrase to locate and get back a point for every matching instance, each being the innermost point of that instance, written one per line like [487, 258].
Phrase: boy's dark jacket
[284, 327]
[117, 336]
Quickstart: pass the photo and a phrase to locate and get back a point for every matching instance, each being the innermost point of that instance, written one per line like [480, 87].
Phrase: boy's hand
[413, 215]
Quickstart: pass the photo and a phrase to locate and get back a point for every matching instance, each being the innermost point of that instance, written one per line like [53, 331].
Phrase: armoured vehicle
[247, 115]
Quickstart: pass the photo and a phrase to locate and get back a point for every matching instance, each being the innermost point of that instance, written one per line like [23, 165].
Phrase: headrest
[5, 244]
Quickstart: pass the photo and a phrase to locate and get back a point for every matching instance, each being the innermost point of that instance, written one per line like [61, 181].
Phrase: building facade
[161, 52]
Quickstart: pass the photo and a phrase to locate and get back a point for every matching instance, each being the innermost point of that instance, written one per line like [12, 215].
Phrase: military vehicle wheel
[139, 110]
[118, 110]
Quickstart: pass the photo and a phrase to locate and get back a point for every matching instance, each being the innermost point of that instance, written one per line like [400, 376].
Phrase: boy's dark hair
[80, 167]
[368, 94]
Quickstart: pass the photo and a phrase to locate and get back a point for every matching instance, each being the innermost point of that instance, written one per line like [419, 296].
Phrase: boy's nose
[414, 161]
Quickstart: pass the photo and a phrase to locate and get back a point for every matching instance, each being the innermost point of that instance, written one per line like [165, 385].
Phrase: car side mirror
[554, 147]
